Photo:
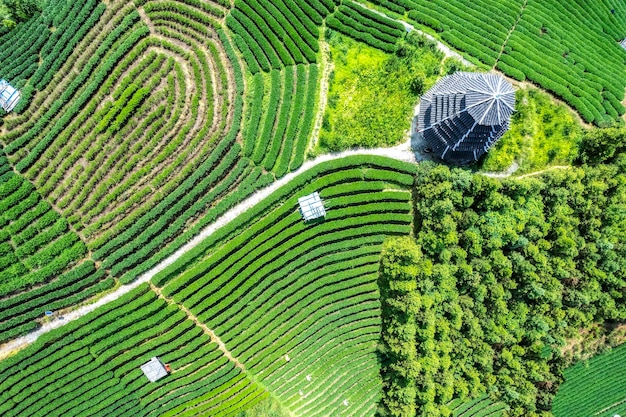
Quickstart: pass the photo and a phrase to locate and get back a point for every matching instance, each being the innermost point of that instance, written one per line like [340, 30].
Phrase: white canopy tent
[9, 96]
[311, 206]
[154, 370]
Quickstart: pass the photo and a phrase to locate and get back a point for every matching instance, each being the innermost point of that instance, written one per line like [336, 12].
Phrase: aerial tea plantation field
[143, 124]
[295, 308]
[594, 387]
[569, 48]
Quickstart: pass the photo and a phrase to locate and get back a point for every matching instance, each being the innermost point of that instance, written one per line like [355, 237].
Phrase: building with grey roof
[463, 115]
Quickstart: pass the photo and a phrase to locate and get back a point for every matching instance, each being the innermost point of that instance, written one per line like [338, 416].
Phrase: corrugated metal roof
[154, 370]
[464, 114]
[311, 206]
[9, 96]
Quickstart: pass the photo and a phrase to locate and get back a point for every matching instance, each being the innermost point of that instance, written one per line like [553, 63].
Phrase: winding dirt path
[327, 68]
[506, 41]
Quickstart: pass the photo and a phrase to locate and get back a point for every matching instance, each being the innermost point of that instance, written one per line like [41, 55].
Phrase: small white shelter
[623, 43]
[9, 96]
[311, 206]
[154, 370]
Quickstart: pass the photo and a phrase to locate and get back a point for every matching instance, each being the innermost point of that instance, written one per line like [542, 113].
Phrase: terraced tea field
[144, 122]
[569, 48]
[272, 292]
[594, 387]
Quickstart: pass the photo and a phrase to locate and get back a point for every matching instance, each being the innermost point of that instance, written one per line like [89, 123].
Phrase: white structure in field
[623, 43]
[9, 96]
[311, 206]
[154, 370]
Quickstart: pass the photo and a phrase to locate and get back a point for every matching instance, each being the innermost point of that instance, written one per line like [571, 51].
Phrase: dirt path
[514, 167]
[327, 68]
[214, 338]
[506, 40]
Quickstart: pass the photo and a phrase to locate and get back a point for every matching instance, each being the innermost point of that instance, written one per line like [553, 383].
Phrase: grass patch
[372, 94]
[542, 134]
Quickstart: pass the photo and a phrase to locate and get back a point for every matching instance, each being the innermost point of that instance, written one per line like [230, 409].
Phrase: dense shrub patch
[500, 274]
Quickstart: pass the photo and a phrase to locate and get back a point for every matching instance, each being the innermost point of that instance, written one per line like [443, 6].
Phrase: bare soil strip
[214, 338]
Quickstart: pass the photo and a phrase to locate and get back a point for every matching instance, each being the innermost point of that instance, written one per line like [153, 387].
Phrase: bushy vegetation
[499, 275]
[542, 134]
[372, 94]
[14, 11]
[266, 408]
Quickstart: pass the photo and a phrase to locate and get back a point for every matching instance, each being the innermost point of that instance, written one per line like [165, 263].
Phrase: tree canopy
[498, 276]
[14, 11]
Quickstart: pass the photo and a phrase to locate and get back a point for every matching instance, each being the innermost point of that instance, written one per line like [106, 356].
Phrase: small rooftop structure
[9, 96]
[463, 115]
[311, 206]
[154, 370]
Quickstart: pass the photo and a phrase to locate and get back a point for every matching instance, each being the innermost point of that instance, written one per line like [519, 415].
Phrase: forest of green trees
[14, 11]
[499, 274]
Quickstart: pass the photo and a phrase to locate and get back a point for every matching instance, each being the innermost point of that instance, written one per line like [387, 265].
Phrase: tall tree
[14, 11]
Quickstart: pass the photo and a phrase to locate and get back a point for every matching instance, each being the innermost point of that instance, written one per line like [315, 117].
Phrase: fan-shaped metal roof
[464, 114]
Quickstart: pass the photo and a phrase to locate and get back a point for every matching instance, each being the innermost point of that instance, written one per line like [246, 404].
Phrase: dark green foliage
[36, 248]
[33, 53]
[15, 11]
[508, 271]
[35, 242]
[272, 34]
[602, 145]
